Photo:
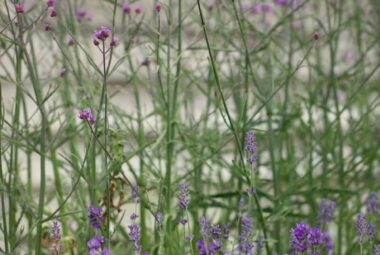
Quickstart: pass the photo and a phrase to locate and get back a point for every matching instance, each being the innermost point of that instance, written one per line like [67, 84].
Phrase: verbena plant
[189, 127]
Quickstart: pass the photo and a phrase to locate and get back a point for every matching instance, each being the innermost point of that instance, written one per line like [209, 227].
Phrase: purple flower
[202, 250]
[376, 249]
[372, 203]
[69, 40]
[20, 8]
[159, 218]
[361, 227]
[245, 245]
[371, 230]
[95, 216]
[315, 237]
[135, 235]
[103, 33]
[138, 9]
[53, 12]
[126, 8]
[184, 193]
[47, 26]
[62, 72]
[105, 252]
[95, 243]
[80, 14]
[114, 41]
[250, 146]
[50, 3]
[135, 193]
[205, 227]
[86, 114]
[183, 221]
[157, 7]
[226, 231]
[56, 231]
[133, 216]
[325, 212]
[301, 231]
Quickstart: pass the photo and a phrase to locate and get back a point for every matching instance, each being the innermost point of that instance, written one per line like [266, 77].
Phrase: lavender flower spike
[250, 147]
[56, 231]
[372, 203]
[361, 227]
[184, 193]
[325, 212]
[95, 216]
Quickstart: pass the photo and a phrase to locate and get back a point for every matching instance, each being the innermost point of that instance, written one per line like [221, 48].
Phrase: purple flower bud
[126, 8]
[50, 3]
[53, 12]
[47, 26]
[20, 8]
[114, 41]
[266, 8]
[138, 9]
[69, 40]
[183, 221]
[62, 72]
[255, 9]
[133, 216]
[157, 7]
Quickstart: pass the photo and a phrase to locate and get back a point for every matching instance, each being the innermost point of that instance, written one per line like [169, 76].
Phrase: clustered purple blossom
[246, 245]
[250, 147]
[304, 238]
[86, 114]
[364, 229]
[81, 14]
[96, 217]
[102, 34]
[95, 246]
[325, 212]
[211, 241]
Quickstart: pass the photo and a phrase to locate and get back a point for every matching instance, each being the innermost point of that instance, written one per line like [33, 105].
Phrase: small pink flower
[62, 72]
[138, 9]
[53, 12]
[94, 40]
[50, 3]
[47, 26]
[126, 8]
[20, 8]
[157, 7]
[210, 5]
[114, 41]
[69, 40]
